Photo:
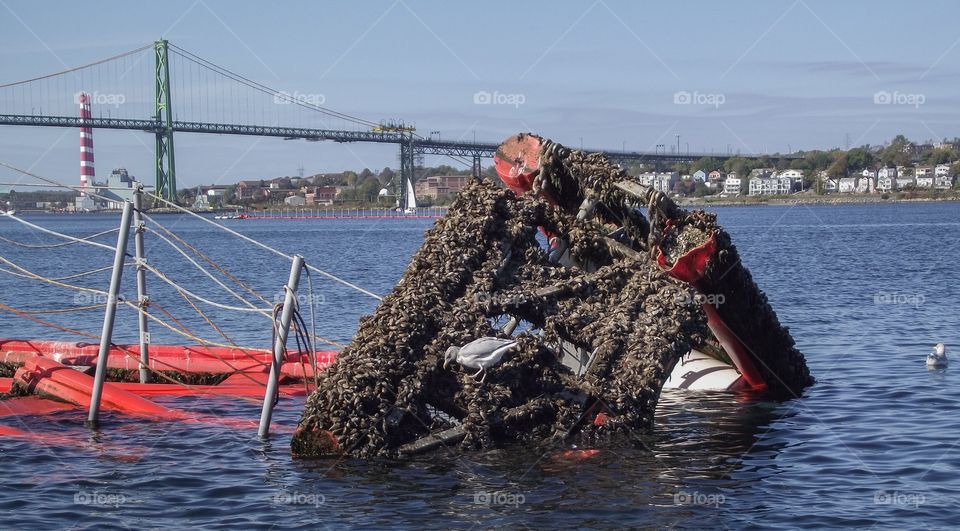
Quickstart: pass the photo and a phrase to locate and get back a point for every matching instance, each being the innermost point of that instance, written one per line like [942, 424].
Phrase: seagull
[480, 354]
[937, 358]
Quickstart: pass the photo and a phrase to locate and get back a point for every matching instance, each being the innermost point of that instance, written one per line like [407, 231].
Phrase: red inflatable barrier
[45, 376]
[187, 359]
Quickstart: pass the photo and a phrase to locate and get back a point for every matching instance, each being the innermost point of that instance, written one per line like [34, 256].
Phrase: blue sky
[760, 76]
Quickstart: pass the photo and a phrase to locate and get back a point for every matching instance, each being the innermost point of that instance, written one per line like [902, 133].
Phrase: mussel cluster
[484, 264]
[479, 265]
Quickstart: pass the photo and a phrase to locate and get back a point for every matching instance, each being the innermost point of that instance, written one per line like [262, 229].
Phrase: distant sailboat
[411, 206]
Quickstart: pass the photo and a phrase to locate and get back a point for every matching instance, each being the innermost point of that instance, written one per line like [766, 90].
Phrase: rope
[61, 235]
[54, 245]
[212, 262]
[263, 246]
[68, 277]
[29, 274]
[201, 268]
[65, 310]
[181, 289]
[205, 220]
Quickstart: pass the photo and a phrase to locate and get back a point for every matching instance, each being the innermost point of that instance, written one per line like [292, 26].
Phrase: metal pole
[289, 302]
[142, 299]
[106, 333]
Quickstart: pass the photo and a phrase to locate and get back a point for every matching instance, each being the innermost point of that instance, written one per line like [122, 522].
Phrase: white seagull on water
[480, 354]
[937, 358]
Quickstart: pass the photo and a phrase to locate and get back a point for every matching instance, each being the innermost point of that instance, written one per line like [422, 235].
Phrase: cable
[201, 268]
[263, 245]
[95, 63]
[61, 235]
[182, 289]
[267, 90]
[54, 245]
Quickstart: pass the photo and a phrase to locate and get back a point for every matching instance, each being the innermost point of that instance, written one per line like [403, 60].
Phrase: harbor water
[865, 289]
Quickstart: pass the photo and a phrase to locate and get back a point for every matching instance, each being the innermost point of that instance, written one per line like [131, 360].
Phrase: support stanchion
[142, 298]
[106, 334]
[289, 304]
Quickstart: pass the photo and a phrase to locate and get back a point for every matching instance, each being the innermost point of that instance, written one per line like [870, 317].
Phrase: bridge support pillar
[406, 170]
[166, 168]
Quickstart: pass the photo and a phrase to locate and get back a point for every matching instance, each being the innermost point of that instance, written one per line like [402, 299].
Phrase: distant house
[921, 171]
[888, 172]
[440, 185]
[943, 182]
[829, 185]
[715, 179]
[253, 190]
[866, 185]
[886, 184]
[925, 181]
[941, 169]
[700, 176]
[295, 200]
[791, 174]
[848, 185]
[732, 185]
[665, 181]
[905, 182]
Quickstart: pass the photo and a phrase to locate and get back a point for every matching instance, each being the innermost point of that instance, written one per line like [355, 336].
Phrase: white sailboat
[411, 206]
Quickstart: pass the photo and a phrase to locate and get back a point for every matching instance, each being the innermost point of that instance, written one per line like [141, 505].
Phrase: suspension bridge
[162, 89]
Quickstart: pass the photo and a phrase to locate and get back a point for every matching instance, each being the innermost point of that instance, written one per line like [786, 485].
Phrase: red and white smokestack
[87, 172]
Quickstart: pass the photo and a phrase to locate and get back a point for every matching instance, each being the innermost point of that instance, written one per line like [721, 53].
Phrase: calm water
[866, 290]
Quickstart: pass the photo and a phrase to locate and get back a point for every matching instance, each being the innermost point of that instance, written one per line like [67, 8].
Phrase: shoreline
[816, 200]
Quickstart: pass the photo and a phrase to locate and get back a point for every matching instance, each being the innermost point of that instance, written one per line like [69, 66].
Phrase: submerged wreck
[551, 311]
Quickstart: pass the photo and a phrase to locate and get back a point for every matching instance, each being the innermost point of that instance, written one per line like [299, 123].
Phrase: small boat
[411, 204]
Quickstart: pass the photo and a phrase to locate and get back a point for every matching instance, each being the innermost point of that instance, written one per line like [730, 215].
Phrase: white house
[848, 185]
[920, 171]
[943, 182]
[700, 176]
[665, 181]
[715, 179]
[925, 181]
[941, 169]
[732, 185]
[886, 184]
[865, 185]
[791, 174]
[904, 182]
[295, 200]
[884, 173]
[769, 186]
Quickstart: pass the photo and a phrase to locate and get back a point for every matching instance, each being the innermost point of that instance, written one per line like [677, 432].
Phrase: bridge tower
[166, 169]
[407, 166]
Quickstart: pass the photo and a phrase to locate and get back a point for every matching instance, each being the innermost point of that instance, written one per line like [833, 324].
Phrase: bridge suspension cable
[267, 90]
